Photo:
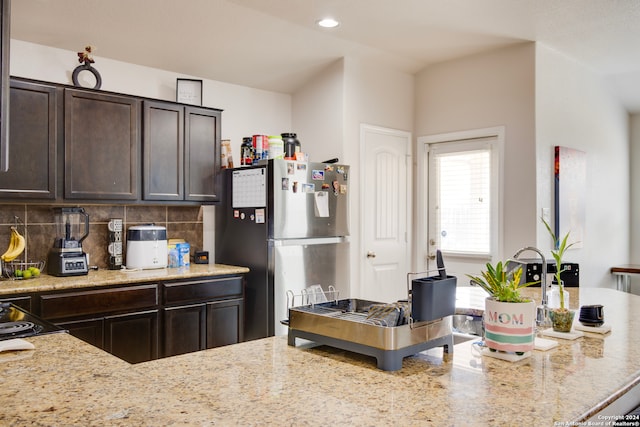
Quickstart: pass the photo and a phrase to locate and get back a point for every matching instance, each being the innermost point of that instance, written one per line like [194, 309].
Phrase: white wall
[328, 112]
[634, 190]
[246, 112]
[375, 95]
[318, 114]
[574, 109]
[483, 91]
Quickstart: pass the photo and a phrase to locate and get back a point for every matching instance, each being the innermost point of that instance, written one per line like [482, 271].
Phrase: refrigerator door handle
[310, 241]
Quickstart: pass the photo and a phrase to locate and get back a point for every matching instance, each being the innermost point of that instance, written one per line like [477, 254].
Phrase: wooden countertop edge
[626, 268]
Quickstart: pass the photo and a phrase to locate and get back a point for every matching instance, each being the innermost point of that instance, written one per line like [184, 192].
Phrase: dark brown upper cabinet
[181, 152]
[33, 132]
[163, 151]
[101, 146]
[75, 144]
[202, 154]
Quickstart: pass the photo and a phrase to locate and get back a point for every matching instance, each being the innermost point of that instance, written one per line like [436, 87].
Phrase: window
[464, 206]
[462, 197]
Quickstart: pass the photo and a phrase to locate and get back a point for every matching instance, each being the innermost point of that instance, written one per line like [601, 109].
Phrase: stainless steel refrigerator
[288, 222]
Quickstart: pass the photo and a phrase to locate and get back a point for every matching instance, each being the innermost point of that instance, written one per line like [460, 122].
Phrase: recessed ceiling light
[328, 23]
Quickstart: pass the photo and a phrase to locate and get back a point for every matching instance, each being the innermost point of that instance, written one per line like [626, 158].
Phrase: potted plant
[509, 318]
[561, 317]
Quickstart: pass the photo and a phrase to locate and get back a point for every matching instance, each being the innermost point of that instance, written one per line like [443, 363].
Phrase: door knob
[371, 254]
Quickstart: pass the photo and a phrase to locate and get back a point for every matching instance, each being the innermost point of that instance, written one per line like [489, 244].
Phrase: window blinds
[463, 205]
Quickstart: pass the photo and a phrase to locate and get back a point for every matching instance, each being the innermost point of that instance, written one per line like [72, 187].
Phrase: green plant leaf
[559, 248]
[500, 283]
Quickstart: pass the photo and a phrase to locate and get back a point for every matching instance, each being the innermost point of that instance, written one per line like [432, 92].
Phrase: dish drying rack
[388, 332]
[7, 269]
[312, 295]
[326, 303]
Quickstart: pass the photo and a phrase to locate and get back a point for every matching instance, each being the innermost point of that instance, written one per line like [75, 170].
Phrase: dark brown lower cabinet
[141, 322]
[90, 330]
[20, 301]
[132, 337]
[225, 323]
[184, 329]
[202, 326]
[123, 320]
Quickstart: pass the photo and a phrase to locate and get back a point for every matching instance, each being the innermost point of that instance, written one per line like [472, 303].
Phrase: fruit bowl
[16, 270]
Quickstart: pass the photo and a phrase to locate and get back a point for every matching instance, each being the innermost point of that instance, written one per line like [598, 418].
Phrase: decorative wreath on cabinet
[86, 59]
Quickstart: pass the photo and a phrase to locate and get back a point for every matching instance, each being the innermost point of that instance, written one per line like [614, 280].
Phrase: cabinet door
[90, 331]
[132, 337]
[20, 301]
[101, 146]
[5, 35]
[163, 151]
[184, 329]
[225, 323]
[202, 154]
[32, 132]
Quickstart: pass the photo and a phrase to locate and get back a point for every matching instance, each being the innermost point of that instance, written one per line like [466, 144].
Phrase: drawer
[75, 304]
[21, 301]
[203, 290]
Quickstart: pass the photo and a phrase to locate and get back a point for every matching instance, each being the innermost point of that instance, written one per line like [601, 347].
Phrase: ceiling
[275, 44]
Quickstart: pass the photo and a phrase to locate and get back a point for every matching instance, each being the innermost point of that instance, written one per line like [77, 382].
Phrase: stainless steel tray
[344, 324]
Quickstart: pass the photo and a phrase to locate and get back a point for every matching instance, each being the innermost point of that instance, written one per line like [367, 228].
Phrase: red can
[260, 147]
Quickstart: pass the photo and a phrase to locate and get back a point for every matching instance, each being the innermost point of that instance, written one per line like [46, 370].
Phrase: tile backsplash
[182, 222]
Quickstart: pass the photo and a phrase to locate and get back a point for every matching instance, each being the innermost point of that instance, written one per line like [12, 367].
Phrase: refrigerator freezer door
[303, 263]
[308, 200]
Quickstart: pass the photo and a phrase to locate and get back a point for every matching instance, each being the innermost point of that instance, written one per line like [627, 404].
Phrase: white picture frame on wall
[189, 91]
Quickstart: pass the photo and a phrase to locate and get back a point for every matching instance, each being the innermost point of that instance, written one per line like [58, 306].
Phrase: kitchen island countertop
[104, 277]
[266, 382]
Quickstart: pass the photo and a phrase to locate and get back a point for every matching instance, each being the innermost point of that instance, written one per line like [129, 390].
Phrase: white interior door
[385, 209]
[461, 192]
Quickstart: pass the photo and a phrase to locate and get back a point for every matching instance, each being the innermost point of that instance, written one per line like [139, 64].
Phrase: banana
[19, 247]
[16, 246]
[12, 245]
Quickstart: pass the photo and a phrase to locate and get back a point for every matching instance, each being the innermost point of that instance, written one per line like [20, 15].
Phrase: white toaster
[146, 247]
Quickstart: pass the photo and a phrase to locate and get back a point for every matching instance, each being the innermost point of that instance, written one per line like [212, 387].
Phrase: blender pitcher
[66, 258]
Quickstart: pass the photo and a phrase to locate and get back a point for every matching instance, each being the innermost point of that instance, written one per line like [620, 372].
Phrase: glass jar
[276, 147]
[290, 143]
[554, 297]
[246, 151]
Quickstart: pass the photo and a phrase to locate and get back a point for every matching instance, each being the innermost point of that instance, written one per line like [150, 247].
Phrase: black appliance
[66, 258]
[15, 322]
[570, 274]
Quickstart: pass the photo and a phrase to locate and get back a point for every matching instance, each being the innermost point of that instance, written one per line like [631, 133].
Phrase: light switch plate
[546, 215]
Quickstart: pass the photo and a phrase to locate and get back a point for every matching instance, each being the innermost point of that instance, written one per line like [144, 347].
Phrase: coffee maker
[66, 258]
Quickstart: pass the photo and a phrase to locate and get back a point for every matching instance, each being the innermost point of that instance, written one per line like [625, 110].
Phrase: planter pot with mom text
[509, 326]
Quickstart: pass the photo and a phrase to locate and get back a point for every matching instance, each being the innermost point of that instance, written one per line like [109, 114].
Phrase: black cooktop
[16, 322]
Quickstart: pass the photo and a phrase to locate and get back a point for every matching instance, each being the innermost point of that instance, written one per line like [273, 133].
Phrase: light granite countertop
[65, 382]
[104, 277]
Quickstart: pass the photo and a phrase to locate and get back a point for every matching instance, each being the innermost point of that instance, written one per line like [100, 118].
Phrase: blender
[66, 258]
